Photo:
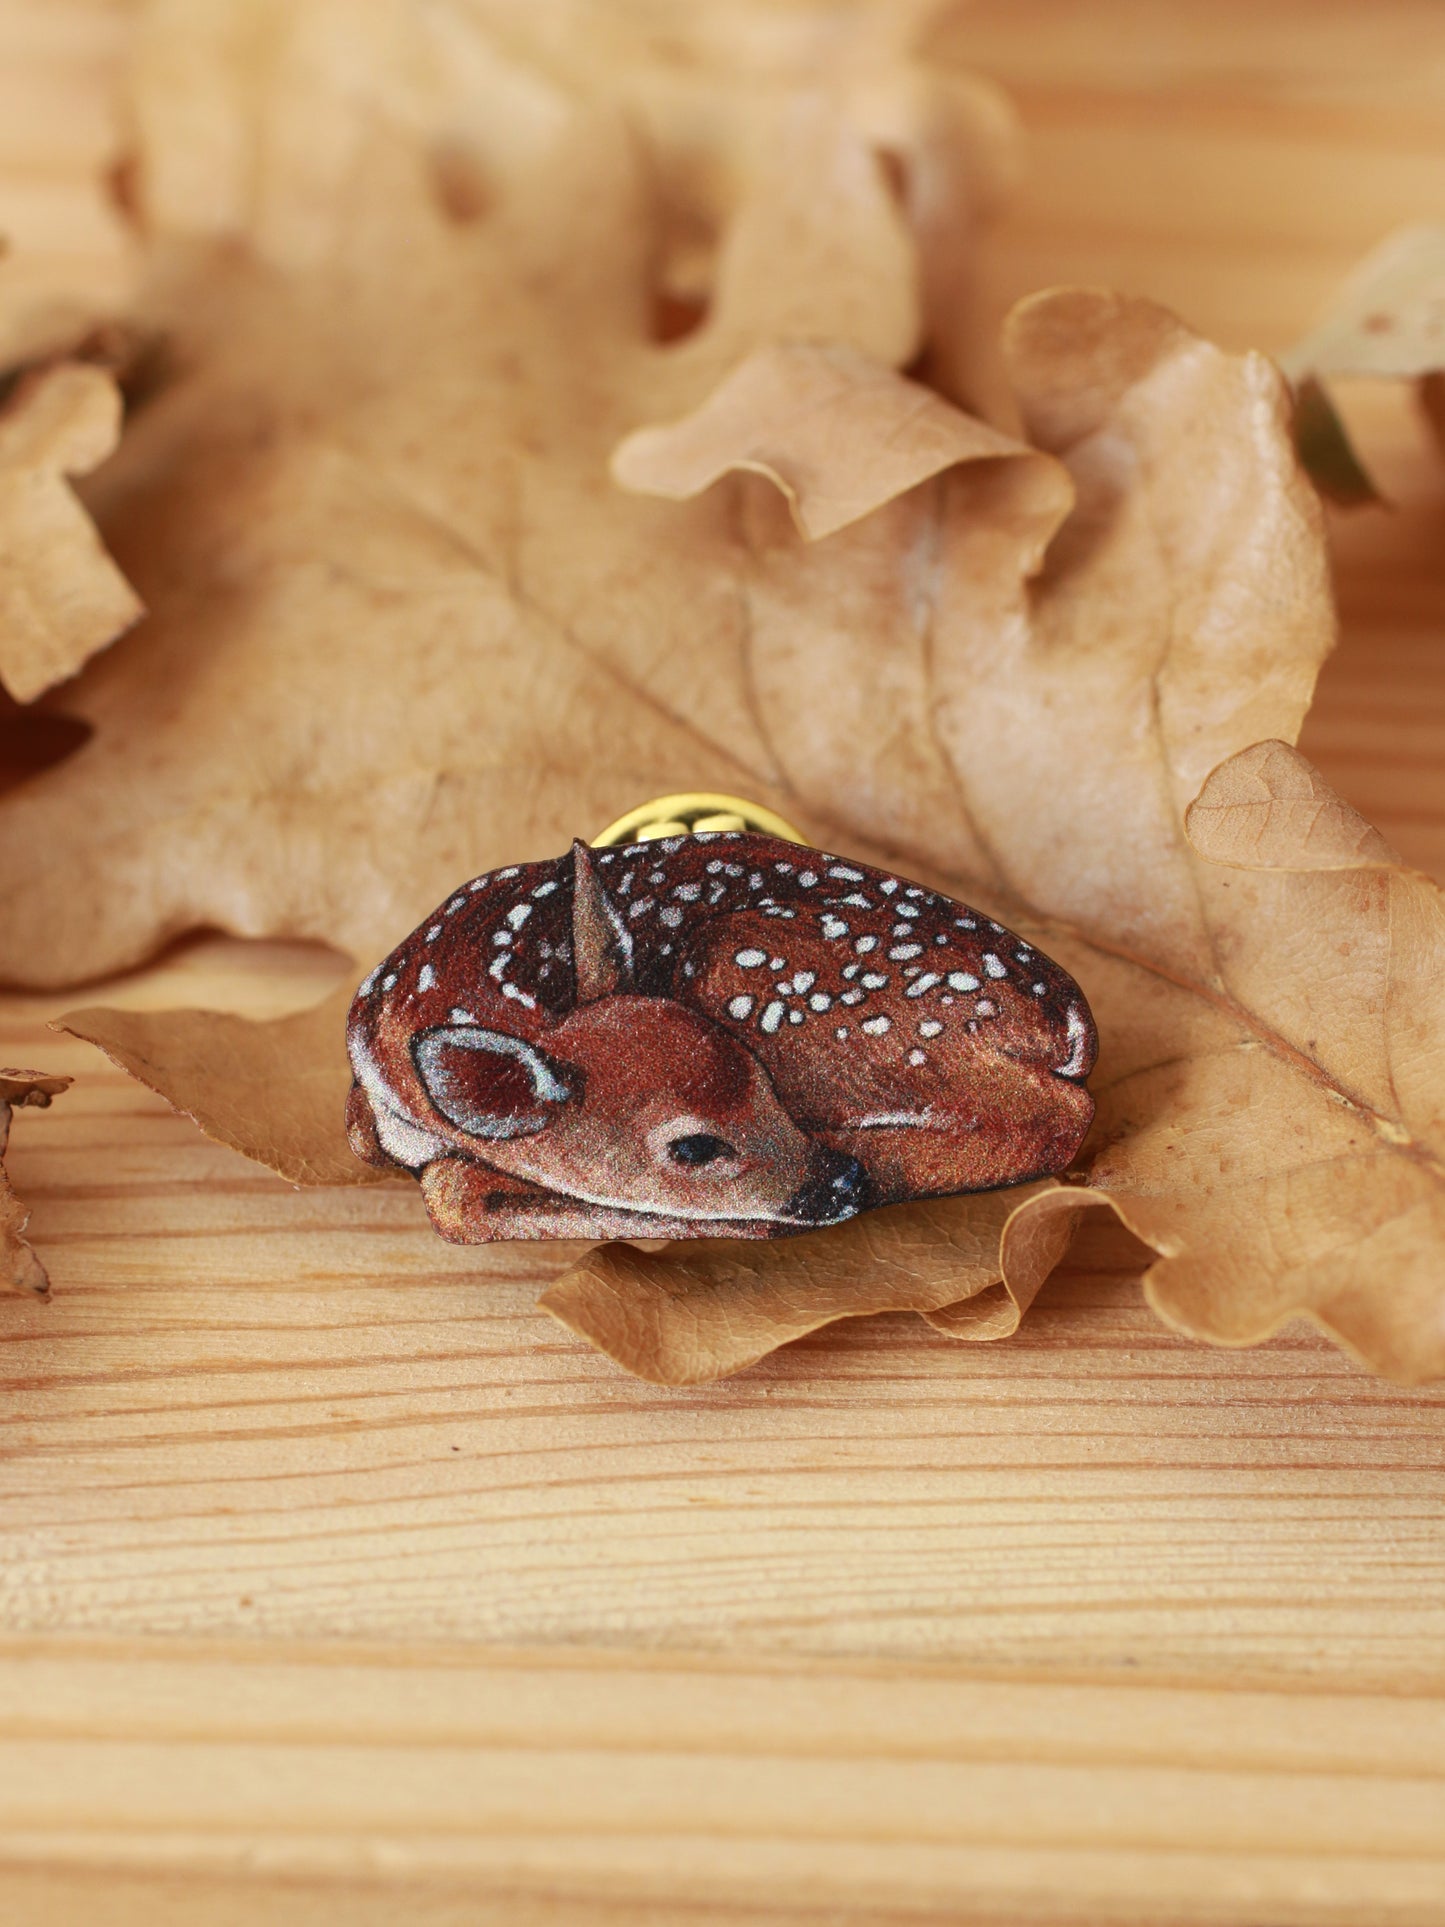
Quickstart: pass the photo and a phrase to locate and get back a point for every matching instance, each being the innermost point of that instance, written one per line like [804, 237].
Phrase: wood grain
[249, 1409]
[336, 1583]
[620, 1786]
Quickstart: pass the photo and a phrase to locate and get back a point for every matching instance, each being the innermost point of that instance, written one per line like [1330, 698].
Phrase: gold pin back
[690, 811]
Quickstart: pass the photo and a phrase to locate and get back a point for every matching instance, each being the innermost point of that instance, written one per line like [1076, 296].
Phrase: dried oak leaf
[1272, 1089]
[405, 628]
[402, 623]
[61, 596]
[20, 1269]
[1387, 321]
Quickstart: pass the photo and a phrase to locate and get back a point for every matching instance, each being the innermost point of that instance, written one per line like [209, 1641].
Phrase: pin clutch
[712, 1033]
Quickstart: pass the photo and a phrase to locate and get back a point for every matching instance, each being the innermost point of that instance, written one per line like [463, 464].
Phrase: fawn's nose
[836, 1189]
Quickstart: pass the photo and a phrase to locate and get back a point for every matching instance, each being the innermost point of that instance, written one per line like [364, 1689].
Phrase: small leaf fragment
[61, 596]
[1386, 320]
[20, 1269]
[1325, 448]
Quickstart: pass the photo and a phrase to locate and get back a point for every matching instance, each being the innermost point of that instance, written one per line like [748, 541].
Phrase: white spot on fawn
[772, 1017]
[845, 875]
[804, 980]
[841, 1033]
[425, 977]
[433, 933]
[740, 1007]
[876, 1026]
[388, 982]
[930, 1027]
[1078, 1035]
[993, 966]
[985, 1008]
[864, 944]
[519, 914]
[511, 990]
[874, 979]
[960, 980]
[820, 1000]
[808, 878]
[750, 959]
[916, 1057]
[833, 928]
[545, 889]
[368, 983]
[901, 950]
[925, 982]
[795, 1016]
[672, 916]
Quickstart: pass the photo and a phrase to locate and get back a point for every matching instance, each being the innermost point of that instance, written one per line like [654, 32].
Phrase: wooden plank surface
[337, 1583]
[569, 1785]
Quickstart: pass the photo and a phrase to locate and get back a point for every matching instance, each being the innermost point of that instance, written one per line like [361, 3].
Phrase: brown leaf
[1386, 320]
[20, 1269]
[382, 496]
[797, 412]
[274, 1091]
[1315, 1179]
[683, 1316]
[61, 596]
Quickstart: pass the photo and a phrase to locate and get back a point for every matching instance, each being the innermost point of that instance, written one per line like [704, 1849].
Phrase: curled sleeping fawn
[714, 1035]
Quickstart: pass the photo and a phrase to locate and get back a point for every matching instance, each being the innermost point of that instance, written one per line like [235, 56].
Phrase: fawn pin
[710, 1032]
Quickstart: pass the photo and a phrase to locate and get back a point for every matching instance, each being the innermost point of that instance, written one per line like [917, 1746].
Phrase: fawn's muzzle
[837, 1189]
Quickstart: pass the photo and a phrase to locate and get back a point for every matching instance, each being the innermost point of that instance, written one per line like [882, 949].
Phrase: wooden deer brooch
[710, 1035]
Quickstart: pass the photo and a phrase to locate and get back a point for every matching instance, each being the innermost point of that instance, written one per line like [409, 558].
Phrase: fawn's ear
[601, 944]
[488, 1084]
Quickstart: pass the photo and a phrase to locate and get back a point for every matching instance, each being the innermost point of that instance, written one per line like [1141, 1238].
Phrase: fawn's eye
[699, 1148]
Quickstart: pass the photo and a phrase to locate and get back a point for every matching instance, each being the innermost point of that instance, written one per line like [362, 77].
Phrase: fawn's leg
[469, 1204]
[361, 1130]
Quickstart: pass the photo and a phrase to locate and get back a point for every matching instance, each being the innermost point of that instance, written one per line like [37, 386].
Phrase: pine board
[338, 1584]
